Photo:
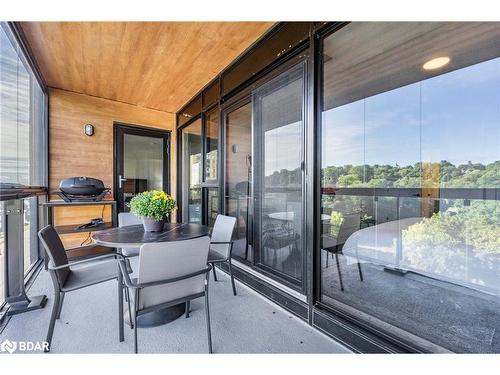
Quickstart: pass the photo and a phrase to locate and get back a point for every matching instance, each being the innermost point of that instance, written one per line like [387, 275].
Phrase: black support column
[16, 298]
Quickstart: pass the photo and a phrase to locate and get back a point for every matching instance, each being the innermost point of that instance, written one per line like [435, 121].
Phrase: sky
[283, 148]
[453, 117]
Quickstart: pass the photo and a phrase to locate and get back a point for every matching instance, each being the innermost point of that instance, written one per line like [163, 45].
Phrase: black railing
[12, 226]
[433, 193]
[17, 191]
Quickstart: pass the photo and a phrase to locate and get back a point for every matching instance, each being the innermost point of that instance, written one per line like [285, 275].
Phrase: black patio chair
[333, 244]
[276, 235]
[67, 277]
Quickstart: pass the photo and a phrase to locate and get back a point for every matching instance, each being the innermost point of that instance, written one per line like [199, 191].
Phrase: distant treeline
[471, 175]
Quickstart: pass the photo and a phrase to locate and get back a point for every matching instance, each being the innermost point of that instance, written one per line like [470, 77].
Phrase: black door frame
[257, 180]
[204, 185]
[179, 163]
[210, 184]
[119, 130]
[300, 56]
[236, 103]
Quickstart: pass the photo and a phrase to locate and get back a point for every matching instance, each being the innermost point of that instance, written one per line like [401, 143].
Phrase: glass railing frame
[16, 192]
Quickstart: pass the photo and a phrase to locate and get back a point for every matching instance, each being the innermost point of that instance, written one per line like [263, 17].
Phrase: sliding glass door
[238, 176]
[278, 146]
[264, 175]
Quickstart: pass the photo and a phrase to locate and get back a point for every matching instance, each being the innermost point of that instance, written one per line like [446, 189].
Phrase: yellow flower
[158, 194]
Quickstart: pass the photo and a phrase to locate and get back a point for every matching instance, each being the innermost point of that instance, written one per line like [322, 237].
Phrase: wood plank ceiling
[158, 65]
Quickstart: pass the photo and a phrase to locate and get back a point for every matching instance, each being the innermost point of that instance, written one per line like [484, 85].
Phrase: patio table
[135, 236]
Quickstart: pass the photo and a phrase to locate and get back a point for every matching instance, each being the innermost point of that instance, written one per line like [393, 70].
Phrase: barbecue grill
[82, 189]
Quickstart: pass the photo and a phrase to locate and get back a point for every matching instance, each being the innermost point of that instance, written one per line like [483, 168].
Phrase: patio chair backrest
[55, 249]
[128, 218]
[125, 219]
[243, 188]
[222, 232]
[168, 260]
[350, 225]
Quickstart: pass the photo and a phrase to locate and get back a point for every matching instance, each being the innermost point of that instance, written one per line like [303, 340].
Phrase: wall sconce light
[234, 149]
[89, 129]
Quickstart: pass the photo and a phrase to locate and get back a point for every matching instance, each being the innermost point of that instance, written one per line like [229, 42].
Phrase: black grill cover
[82, 186]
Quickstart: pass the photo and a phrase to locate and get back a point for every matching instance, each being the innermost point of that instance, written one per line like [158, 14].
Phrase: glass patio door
[210, 177]
[238, 176]
[200, 169]
[192, 172]
[278, 134]
[141, 162]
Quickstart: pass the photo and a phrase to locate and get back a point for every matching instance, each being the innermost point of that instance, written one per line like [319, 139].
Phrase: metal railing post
[16, 297]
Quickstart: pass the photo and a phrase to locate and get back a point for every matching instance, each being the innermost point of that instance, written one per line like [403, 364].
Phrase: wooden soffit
[158, 65]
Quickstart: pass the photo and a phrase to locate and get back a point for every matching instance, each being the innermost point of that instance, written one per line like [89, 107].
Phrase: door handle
[120, 180]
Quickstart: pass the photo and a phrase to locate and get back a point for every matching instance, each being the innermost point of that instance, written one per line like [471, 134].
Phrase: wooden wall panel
[72, 153]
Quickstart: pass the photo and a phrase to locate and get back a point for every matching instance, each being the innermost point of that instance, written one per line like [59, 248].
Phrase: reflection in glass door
[210, 184]
[200, 163]
[211, 145]
[238, 167]
[192, 172]
[278, 175]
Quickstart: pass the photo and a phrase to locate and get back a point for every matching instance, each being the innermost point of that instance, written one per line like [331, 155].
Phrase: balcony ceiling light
[436, 63]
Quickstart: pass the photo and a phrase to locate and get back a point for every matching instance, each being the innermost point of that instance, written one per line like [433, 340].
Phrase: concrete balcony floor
[247, 323]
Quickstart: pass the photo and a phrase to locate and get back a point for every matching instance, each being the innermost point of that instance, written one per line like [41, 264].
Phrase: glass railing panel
[434, 274]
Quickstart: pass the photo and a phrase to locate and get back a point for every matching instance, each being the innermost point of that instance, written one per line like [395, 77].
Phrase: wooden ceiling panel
[158, 65]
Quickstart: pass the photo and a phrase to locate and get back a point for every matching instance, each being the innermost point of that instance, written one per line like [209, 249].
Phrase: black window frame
[382, 341]
[205, 185]
[299, 56]
[16, 193]
[392, 339]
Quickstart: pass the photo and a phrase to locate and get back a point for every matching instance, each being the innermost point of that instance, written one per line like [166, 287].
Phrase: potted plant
[154, 206]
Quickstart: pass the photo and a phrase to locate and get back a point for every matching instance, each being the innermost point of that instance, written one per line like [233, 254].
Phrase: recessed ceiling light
[436, 63]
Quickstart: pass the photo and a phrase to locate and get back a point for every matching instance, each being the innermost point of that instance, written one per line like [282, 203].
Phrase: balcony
[247, 323]
[360, 176]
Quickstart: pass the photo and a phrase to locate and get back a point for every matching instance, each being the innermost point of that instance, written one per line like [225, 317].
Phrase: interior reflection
[142, 164]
